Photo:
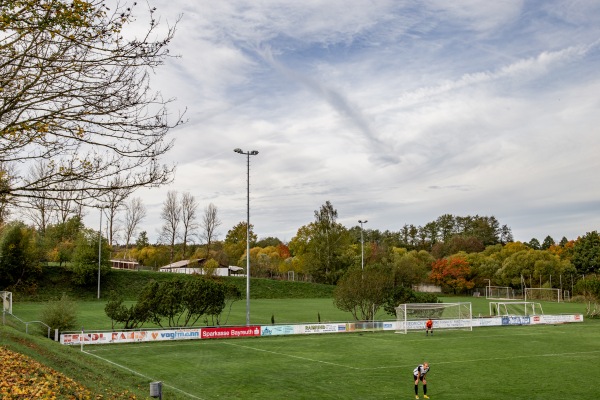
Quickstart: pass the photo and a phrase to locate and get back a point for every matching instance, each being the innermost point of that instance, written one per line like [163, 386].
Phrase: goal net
[543, 294]
[499, 292]
[6, 301]
[412, 316]
[515, 308]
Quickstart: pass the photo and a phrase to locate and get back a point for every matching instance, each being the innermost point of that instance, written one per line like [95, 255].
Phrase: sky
[396, 112]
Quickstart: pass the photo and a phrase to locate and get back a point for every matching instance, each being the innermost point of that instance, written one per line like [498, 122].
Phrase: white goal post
[6, 301]
[412, 316]
[515, 308]
[499, 292]
[544, 294]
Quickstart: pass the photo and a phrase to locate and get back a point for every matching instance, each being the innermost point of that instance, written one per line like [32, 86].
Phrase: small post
[156, 389]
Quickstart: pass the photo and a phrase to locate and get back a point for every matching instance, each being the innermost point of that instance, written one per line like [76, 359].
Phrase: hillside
[93, 378]
[54, 281]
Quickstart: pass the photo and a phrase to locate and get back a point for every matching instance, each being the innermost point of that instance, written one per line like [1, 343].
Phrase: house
[124, 264]
[196, 266]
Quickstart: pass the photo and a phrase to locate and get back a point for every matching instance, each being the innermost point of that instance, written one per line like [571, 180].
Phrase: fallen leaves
[25, 378]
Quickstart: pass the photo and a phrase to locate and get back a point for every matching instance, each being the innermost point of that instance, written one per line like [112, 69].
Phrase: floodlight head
[238, 150]
[253, 152]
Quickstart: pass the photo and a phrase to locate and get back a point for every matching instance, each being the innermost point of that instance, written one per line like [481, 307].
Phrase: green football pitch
[518, 362]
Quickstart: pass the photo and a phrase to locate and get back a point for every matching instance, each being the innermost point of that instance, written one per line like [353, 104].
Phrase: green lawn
[530, 362]
[496, 363]
[91, 313]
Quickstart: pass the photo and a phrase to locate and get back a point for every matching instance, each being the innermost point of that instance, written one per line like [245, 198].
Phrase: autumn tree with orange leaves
[452, 272]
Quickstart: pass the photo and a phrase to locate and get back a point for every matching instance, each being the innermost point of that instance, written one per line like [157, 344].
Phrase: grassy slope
[55, 281]
[97, 376]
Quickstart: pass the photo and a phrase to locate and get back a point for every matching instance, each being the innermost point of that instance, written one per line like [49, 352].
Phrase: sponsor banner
[178, 334]
[233, 332]
[390, 326]
[277, 330]
[130, 336]
[556, 319]
[369, 326]
[87, 338]
[516, 320]
[494, 321]
[439, 324]
[321, 328]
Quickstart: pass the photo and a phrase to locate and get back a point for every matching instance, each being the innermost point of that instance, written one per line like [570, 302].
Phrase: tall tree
[135, 212]
[114, 201]
[586, 253]
[534, 244]
[210, 223]
[506, 235]
[548, 242]
[18, 258]
[322, 246]
[362, 293]
[189, 205]
[76, 93]
[171, 217]
[39, 209]
[235, 242]
[446, 226]
[452, 272]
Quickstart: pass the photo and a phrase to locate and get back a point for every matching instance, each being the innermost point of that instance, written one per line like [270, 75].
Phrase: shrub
[59, 314]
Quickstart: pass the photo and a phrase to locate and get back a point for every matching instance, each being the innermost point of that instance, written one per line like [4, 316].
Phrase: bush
[59, 314]
[588, 287]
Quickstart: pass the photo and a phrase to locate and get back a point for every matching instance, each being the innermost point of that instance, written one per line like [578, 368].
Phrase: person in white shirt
[419, 375]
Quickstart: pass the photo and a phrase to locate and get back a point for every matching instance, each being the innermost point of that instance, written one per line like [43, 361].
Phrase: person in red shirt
[429, 327]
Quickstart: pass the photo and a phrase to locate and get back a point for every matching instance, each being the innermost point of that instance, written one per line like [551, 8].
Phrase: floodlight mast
[362, 249]
[248, 154]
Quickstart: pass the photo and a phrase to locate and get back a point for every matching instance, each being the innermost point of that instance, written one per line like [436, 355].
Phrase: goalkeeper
[419, 375]
[429, 327]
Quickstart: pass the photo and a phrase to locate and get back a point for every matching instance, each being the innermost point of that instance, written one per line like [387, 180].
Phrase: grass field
[529, 362]
[284, 311]
[532, 362]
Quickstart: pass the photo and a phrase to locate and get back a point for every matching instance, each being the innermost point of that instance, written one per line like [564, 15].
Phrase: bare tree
[64, 200]
[135, 212]
[76, 93]
[210, 223]
[171, 216]
[189, 205]
[38, 209]
[114, 202]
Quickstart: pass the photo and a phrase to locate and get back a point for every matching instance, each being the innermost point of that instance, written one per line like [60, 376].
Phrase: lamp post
[248, 154]
[99, 250]
[362, 249]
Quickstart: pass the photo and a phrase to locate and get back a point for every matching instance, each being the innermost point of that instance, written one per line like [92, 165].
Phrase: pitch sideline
[142, 375]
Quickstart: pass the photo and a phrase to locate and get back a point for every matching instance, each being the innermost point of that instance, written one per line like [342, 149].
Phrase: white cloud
[396, 111]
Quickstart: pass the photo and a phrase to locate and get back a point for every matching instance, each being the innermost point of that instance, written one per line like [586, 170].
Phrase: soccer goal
[544, 294]
[412, 316]
[515, 308]
[6, 301]
[499, 292]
